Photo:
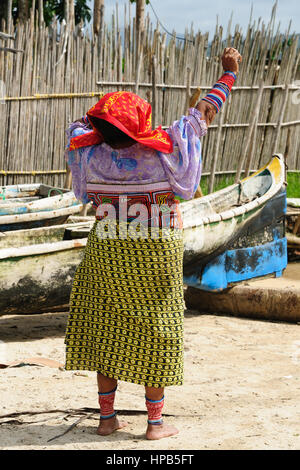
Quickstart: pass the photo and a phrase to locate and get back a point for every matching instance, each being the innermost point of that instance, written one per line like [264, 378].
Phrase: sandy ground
[289, 280]
[241, 391]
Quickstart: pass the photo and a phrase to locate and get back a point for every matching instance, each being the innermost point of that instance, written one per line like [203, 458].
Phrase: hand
[207, 110]
[230, 60]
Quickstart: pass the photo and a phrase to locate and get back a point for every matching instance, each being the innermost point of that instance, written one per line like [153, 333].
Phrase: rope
[168, 32]
[55, 189]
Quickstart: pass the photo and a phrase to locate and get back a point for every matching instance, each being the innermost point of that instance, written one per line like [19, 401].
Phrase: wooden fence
[61, 73]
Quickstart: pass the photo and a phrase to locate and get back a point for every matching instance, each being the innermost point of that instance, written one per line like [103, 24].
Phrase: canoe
[28, 206]
[237, 233]
[232, 235]
[38, 266]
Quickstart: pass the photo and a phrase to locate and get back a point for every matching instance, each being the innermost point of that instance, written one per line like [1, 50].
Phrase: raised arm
[210, 105]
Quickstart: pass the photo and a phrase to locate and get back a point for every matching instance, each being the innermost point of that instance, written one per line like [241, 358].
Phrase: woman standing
[126, 305]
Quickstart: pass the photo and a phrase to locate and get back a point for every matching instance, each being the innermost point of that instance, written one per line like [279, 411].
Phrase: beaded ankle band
[154, 408]
[106, 402]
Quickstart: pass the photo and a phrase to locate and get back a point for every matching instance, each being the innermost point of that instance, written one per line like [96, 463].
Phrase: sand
[241, 390]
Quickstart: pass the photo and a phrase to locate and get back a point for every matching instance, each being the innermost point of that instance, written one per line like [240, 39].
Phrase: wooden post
[68, 179]
[9, 16]
[69, 10]
[250, 130]
[286, 154]
[41, 13]
[252, 152]
[23, 6]
[138, 63]
[140, 21]
[140, 25]
[280, 120]
[188, 89]
[296, 227]
[195, 98]
[216, 154]
[154, 91]
[98, 15]
[32, 16]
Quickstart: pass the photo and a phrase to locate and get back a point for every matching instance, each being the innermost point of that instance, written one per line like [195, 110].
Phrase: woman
[126, 305]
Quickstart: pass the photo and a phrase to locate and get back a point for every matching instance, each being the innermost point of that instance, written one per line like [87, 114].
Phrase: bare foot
[158, 431]
[108, 426]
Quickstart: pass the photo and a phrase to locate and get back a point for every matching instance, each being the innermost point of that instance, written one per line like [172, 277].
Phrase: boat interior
[235, 195]
[27, 192]
[41, 235]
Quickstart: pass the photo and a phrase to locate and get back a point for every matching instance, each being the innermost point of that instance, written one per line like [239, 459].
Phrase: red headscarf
[129, 113]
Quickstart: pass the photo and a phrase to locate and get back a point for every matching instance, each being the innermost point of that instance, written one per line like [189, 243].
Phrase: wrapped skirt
[126, 309]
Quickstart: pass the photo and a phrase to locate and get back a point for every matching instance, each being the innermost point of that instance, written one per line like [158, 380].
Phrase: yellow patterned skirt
[126, 309]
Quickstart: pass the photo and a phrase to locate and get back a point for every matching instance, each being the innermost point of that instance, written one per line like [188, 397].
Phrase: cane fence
[60, 73]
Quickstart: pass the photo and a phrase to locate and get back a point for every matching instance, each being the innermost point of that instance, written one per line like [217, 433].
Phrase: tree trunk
[6, 15]
[3, 8]
[69, 7]
[23, 6]
[140, 23]
[140, 14]
[98, 15]
[41, 13]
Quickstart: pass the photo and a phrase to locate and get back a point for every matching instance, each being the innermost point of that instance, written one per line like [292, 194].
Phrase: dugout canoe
[37, 267]
[231, 235]
[28, 206]
[237, 233]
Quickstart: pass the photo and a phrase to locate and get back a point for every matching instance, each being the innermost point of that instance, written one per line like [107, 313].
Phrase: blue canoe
[237, 233]
[28, 206]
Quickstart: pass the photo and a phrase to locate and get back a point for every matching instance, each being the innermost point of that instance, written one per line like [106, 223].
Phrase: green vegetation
[293, 187]
[52, 8]
[222, 181]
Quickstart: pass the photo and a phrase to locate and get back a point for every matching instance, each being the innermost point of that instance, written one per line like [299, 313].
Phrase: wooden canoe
[34, 205]
[38, 266]
[237, 233]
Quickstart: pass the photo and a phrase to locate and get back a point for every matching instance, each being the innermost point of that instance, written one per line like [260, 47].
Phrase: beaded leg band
[154, 408]
[106, 402]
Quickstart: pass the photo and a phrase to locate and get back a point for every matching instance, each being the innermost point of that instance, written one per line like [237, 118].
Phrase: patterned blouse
[103, 164]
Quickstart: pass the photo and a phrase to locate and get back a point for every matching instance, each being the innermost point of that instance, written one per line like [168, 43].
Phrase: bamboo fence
[61, 72]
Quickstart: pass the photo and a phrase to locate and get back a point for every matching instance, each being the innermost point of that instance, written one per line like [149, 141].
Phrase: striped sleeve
[221, 90]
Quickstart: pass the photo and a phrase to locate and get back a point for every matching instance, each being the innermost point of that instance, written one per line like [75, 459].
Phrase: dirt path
[241, 391]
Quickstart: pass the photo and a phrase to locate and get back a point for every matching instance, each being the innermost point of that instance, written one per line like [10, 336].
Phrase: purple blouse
[103, 164]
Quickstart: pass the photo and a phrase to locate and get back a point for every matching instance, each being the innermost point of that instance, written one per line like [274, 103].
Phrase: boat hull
[37, 269]
[205, 242]
[244, 242]
[219, 250]
[30, 284]
[30, 206]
